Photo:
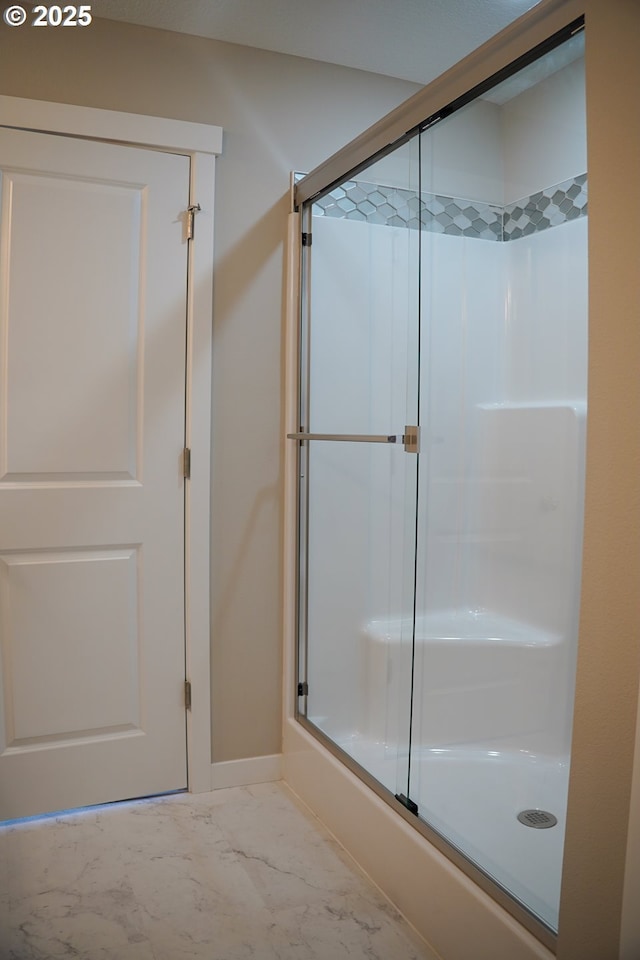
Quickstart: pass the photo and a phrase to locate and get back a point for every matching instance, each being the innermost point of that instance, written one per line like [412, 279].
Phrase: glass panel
[503, 404]
[361, 369]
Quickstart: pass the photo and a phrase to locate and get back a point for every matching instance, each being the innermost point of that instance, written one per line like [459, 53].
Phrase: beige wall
[551, 112]
[609, 650]
[279, 114]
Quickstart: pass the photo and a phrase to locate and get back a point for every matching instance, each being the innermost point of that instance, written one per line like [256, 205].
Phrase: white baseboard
[240, 773]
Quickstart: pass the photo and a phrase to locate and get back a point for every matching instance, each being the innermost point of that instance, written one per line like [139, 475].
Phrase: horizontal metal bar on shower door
[409, 438]
[348, 437]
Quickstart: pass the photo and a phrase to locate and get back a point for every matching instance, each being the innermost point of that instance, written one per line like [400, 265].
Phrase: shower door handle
[409, 438]
[346, 437]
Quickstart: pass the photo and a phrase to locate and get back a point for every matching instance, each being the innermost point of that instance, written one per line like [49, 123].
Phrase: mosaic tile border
[546, 208]
[395, 207]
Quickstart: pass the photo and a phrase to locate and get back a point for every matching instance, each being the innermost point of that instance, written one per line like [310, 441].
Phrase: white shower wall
[363, 366]
[503, 351]
[504, 356]
[462, 365]
[502, 375]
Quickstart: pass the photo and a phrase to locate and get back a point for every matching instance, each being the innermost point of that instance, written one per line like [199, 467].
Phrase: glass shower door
[358, 468]
[503, 405]
[445, 311]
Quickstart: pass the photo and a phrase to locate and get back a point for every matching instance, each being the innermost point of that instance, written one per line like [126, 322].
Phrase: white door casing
[93, 673]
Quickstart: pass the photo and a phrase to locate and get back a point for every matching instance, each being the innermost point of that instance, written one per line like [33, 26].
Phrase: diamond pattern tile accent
[547, 208]
[393, 206]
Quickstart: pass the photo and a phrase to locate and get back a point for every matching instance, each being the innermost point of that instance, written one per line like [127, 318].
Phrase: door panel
[358, 486]
[93, 273]
[87, 608]
[62, 416]
[504, 385]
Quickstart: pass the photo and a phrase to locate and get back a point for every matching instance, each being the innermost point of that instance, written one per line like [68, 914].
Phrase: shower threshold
[471, 795]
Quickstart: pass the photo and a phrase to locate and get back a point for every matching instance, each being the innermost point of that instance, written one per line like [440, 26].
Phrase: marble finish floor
[245, 873]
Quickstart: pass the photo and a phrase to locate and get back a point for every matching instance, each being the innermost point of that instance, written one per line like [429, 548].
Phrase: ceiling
[412, 39]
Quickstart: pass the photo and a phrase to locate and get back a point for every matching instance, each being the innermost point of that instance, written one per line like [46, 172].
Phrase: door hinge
[303, 689]
[187, 694]
[186, 463]
[191, 215]
[409, 804]
[306, 239]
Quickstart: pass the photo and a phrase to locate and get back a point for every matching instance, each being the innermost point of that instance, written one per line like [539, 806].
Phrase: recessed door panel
[71, 311]
[70, 645]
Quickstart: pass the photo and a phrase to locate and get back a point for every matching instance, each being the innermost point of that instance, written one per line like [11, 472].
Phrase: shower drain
[540, 819]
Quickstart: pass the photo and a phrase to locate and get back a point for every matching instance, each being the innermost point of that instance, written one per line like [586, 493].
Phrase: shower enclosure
[443, 358]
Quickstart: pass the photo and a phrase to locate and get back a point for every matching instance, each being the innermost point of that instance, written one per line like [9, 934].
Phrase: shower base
[472, 795]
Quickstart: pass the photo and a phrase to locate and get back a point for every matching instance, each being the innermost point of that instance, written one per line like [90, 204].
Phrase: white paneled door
[93, 288]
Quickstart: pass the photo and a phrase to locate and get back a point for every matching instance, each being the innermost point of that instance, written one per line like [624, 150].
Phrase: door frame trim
[202, 143]
[92, 123]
